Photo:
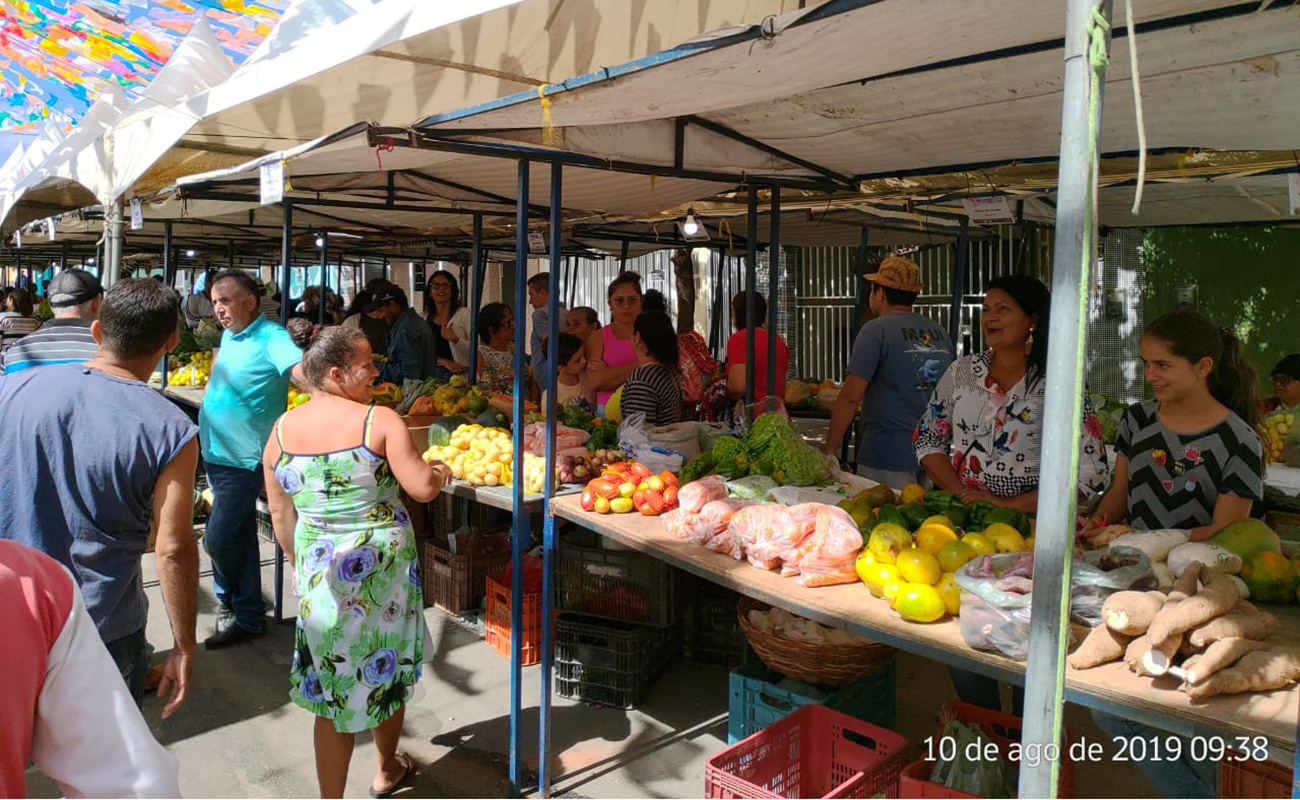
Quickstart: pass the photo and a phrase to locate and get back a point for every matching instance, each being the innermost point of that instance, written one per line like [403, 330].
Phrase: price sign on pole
[272, 174]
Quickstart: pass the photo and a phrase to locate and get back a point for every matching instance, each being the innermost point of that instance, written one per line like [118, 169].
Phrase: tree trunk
[684, 273]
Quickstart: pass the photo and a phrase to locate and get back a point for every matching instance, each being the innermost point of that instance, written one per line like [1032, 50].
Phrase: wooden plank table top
[1111, 687]
[502, 497]
[189, 395]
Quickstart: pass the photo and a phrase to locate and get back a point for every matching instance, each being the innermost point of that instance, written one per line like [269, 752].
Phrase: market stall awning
[904, 88]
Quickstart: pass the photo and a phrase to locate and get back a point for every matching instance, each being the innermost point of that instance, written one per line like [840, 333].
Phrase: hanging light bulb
[189, 254]
[320, 241]
[691, 226]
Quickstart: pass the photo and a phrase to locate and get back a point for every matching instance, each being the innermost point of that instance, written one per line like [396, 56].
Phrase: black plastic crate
[610, 663]
[713, 635]
[616, 584]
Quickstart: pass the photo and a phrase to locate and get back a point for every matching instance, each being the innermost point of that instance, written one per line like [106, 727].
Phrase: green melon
[493, 419]
[441, 429]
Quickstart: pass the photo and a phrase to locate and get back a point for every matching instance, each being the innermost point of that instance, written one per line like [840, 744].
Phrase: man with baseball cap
[74, 295]
[897, 359]
[412, 354]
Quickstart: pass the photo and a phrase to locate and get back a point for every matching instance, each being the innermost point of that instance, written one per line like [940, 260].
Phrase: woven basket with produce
[824, 656]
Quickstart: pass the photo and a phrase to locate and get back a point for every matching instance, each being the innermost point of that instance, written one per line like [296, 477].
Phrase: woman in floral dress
[333, 469]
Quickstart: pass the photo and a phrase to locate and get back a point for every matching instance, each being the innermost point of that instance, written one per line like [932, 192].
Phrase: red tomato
[588, 500]
[668, 478]
[670, 496]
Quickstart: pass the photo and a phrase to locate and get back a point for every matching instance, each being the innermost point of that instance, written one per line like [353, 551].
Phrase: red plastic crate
[1003, 730]
[814, 752]
[497, 622]
[1254, 779]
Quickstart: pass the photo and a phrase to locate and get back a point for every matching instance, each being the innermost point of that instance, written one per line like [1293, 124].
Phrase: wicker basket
[822, 665]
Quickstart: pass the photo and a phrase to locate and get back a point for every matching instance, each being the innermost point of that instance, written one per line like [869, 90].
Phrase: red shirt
[736, 355]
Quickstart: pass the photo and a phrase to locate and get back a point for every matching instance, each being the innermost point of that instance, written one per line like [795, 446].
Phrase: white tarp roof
[900, 86]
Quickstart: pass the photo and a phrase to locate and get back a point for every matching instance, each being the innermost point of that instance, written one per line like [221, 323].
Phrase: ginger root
[1259, 671]
[1215, 599]
[1131, 613]
[1244, 621]
[1100, 646]
[1221, 654]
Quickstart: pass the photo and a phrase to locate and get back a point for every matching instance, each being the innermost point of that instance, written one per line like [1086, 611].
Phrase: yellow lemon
[918, 602]
[864, 560]
[939, 519]
[932, 536]
[887, 540]
[1005, 538]
[875, 576]
[950, 592]
[953, 555]
[981, 544]
[918, 566]
[913, 493]
[890, 589]
[1029, 544]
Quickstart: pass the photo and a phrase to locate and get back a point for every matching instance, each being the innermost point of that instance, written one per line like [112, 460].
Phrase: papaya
[1270, 577]
[1246, 537]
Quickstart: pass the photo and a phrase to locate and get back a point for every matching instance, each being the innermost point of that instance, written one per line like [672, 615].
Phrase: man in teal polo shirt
[246, 393]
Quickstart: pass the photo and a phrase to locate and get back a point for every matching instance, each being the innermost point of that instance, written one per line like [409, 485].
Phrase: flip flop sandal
[397, 784]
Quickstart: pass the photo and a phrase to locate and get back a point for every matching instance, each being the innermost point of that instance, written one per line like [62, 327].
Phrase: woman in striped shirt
[655, 386]
[17, 320]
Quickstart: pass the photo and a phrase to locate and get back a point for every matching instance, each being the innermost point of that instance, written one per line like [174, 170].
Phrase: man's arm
[177, 557]
[88, 734]
[403, 357]
[842, 413]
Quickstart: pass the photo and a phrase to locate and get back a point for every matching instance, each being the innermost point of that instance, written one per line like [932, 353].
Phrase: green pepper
[978, 515]
[939, 501]
[893, 515]
[959, 515]
[915, 514]
[1008, 516]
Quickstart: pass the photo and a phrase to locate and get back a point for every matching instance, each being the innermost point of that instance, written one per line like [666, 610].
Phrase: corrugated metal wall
[1115, 318]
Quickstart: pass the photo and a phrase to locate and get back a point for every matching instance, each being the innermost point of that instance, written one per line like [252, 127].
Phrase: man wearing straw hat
[897, 359]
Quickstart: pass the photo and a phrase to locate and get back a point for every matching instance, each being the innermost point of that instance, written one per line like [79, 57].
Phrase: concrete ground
[238, 734]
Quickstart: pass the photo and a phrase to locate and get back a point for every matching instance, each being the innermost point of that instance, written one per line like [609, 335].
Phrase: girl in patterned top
[655, 386]
[981, 435]
[496, 353]
[1190, 458]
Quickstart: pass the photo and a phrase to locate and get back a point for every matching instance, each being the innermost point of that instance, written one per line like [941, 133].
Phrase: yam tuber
[1130, 613]
[1187, 583]
[1102, 645]
[1245, 621]
[1215, 599]
[1221, 654]
[1259, 671]
[1146, 658]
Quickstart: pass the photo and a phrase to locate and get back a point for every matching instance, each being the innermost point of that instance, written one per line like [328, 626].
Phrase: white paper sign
[272, 182]
[1293, 181]
[988, 210]
[137, 214]
[49, 227]
[537, 242]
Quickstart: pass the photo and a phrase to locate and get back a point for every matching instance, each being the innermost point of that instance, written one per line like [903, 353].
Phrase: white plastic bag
[637, 446]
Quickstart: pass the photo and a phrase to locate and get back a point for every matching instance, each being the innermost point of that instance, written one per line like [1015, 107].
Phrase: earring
[1029, 343]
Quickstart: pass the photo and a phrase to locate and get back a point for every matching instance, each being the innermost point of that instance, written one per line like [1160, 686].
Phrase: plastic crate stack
[619, 627]
[713, 636]
[454, 569]
[760, 698]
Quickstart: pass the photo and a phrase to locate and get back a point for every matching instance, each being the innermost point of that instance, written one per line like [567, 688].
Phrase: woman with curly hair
[333, 469]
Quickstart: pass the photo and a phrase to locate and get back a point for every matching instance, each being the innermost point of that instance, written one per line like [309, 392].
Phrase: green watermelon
[492, 419]
[441, 429]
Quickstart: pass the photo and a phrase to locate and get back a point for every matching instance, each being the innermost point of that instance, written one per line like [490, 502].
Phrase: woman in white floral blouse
[981, 435]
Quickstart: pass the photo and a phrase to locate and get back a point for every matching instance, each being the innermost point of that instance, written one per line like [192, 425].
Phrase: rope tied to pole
[1098, 60]
[385, 145]
[1136, 79]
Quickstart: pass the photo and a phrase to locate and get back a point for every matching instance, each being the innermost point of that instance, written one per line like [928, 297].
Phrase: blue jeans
[131, 655]
[1180, 778]
[981, 690]
[231, 541]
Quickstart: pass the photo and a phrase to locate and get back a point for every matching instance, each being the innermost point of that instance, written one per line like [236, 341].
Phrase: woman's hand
[595, 366]
[449, 333]
[969, 496]
[454, 367]
[441, 472]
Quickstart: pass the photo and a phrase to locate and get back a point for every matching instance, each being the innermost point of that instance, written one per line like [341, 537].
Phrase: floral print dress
[994, 435]
[360, 635]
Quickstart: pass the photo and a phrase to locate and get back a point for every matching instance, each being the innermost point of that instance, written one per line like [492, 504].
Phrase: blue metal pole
[751, 291]
[521, 526]
[549, 522]
[477, 271]
[959, 285]
[773, 292]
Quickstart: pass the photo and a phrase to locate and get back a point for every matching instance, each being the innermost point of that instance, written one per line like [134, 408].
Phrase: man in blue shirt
[246, 393]
[897, 360]
[412, 354]
[93, 457]
[539, 297]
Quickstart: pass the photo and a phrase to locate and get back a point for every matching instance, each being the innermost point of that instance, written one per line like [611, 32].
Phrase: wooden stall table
[1111, 688]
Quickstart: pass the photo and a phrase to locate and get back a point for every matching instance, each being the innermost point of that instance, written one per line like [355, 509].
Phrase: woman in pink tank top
[611, 357]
